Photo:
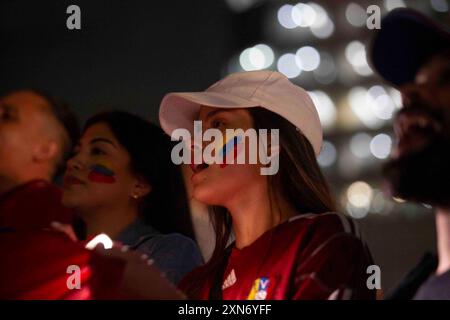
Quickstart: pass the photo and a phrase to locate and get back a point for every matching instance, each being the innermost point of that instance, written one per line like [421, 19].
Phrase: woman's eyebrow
[103, 140]
[212, 113]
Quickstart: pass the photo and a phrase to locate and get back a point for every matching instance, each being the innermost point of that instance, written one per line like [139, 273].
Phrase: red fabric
[33, 206]
[312, 257]
[35, 262]
[35, 266]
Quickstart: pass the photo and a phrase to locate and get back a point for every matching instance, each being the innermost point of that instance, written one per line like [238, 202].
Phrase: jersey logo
[230, 280]
[260, 289]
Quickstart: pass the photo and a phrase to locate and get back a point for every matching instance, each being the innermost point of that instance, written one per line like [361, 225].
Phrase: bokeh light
[287, 65]
[328, 154]
[307, 58]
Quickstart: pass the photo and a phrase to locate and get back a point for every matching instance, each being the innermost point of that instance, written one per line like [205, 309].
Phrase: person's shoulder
[175, 254]
[172, 241]
[36, 204]
[316, 230]
[40, 187]
[331, 251]
[29, 192]
[196, 276]
[325, 223]
[176, 238]
[42, 193]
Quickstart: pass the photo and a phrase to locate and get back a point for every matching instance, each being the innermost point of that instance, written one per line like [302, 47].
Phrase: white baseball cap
[267, 89]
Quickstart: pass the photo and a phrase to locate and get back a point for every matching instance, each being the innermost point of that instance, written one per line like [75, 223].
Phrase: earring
[135, 196]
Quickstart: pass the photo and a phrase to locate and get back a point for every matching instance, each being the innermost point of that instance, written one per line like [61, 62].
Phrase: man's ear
[141, 188]
[46, 150]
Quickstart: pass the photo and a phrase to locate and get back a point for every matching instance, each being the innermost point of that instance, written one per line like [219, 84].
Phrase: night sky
[127, 55]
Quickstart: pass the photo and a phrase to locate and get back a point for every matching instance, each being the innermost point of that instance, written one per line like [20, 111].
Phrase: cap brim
[180, 109]
[406, 40]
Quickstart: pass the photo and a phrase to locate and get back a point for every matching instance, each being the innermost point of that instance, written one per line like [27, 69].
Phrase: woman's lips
[71, 180]
[197, 169]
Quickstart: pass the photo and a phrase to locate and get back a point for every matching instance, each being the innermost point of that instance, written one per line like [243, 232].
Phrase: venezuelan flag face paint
[100, 173]
[233, 144]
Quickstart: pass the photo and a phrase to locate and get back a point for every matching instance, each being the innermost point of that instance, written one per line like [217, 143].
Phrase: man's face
[21, 122]
[420, 166]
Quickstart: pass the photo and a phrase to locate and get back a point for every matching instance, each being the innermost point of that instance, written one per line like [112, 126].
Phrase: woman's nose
[75, 163]
[196, 151]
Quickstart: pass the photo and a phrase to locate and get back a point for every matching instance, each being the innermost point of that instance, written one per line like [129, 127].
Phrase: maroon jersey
[311, 256]
[34, 262]
[35, 266]
[33, 205]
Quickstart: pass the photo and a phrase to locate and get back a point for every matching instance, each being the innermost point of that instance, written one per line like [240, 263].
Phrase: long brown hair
[298, 180]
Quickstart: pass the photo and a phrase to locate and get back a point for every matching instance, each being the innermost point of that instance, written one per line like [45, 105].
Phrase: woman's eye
[217, 124]
[97, 151]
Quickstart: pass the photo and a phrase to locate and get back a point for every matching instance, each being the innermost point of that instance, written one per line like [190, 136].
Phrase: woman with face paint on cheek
[120, 181]
[290, 243]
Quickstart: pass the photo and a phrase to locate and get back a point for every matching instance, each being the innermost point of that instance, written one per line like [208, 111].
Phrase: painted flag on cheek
[100, 173]
[234, 144]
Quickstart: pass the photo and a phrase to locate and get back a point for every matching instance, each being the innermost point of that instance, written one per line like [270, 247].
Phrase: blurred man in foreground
[413, 54]
[36, 135]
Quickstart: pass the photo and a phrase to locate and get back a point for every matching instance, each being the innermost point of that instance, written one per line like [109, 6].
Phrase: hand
[141, 279]
[64, 228]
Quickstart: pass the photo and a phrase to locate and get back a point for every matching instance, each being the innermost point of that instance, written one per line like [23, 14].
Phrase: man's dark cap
[407, 39]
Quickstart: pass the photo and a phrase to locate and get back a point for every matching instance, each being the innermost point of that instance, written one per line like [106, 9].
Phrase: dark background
[127, 55]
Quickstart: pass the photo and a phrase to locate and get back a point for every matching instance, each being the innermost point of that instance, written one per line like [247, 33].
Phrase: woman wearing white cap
[289, 242]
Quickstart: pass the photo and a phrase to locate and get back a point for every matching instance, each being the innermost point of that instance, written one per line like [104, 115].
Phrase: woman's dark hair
[299, 181]
[166, 207]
